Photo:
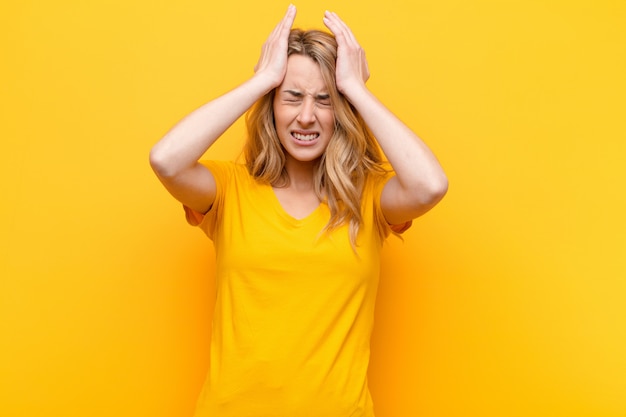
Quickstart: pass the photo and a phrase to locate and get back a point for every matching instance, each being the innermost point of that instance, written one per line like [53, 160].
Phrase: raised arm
[175, 157]
[420, 181]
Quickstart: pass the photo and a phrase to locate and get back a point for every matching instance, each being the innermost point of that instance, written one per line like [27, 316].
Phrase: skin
[419, 182]
[305, 122]
[302, 111]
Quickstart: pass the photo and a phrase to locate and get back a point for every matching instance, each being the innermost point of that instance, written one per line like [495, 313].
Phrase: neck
[301, 174]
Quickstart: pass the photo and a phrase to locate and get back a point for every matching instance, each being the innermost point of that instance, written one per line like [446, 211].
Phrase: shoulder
[225, 168]
[372, 194]
[227, 173]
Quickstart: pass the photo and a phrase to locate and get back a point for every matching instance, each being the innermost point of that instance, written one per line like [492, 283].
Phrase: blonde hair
[352, 153]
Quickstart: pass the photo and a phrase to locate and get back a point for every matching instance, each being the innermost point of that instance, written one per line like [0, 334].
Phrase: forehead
[303, 74]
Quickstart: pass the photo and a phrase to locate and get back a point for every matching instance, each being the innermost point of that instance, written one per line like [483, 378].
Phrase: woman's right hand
[175, 157]
[273, 61]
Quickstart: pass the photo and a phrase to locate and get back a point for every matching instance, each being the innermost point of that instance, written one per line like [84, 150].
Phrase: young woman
[299, 226]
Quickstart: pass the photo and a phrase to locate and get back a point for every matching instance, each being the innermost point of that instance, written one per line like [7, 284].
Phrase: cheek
[281, 123]
[328, 120]
[281, 115]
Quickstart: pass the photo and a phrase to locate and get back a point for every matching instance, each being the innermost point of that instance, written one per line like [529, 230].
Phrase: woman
[298, 228]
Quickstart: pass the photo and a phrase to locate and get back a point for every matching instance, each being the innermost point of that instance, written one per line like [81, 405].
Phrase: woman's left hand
[352, 70]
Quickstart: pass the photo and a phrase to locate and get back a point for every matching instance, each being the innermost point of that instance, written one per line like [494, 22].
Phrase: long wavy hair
[352, 153]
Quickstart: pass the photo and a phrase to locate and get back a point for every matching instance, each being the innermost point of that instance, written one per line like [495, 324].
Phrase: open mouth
[305, 137]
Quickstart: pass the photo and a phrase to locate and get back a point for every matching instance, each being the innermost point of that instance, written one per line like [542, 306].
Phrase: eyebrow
[294, 93]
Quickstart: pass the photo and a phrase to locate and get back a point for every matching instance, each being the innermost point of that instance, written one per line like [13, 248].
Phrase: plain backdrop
[506, 300]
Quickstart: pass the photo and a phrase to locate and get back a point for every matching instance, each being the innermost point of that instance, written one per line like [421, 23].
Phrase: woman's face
[303, 113]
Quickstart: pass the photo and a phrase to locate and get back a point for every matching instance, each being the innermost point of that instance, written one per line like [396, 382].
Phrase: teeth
[305, 138]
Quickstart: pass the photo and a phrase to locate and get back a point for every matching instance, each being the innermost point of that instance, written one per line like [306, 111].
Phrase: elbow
[440, 189]
[427, 196]
[156, 160]
[160, 163]
[403, 202]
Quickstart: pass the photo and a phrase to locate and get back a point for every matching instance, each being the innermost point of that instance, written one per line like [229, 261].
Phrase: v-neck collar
[319, 211]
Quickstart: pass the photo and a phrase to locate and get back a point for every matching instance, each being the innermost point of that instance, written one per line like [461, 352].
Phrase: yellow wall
[507, 300]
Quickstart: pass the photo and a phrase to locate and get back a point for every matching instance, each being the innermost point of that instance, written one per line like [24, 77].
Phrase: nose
[306, 115]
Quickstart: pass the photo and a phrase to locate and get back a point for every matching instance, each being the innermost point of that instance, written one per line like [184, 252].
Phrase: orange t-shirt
[294, 308]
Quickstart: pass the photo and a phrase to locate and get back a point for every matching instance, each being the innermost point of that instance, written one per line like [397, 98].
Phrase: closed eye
[323, 99]
[294, 96]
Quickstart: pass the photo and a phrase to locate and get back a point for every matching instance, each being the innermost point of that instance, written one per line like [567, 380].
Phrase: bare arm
[420, 182]
[175, 157]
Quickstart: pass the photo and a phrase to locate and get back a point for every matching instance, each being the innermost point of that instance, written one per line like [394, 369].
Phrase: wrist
[265, 81]
[355, 92]
[258, 85]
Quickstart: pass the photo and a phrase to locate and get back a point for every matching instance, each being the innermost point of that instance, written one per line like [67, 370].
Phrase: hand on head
[351, 64]
[273, 60]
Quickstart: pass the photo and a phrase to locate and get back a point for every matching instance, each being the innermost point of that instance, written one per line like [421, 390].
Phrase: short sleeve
[402, 227]
[223, 172]
[384, 227]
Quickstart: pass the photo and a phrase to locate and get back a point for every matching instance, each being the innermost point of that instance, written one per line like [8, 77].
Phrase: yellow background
[509, 299]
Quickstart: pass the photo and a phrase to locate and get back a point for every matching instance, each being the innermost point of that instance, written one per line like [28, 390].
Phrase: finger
[346, 39]
[279, 34]
[331, 24]
[346, 29]
[339, 28]
[285, 23]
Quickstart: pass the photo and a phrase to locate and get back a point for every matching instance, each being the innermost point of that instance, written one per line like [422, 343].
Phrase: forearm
[420, 181]
[190, 138]
[417, 169]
